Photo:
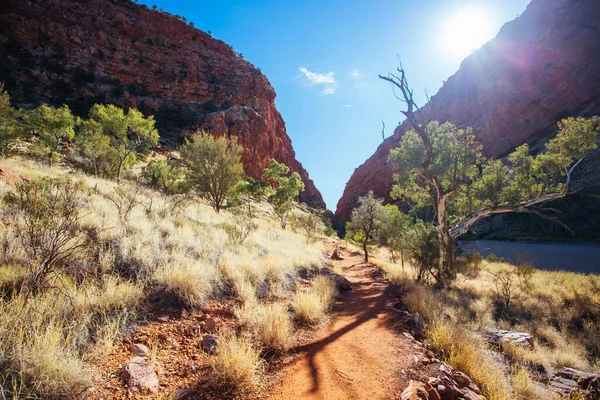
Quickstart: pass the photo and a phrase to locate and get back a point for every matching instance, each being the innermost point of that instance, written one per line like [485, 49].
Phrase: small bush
[311, 305]
[242, 227]
[47, 216]
[491, 258]
[237, 366]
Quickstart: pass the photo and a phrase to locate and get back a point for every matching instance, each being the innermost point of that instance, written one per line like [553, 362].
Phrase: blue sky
[323, 57]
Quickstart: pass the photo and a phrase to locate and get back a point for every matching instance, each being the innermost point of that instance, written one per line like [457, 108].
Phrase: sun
[465, 31]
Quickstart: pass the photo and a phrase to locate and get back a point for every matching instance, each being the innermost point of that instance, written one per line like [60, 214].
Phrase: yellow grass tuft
[271, 324]
[312, 304]
[237, 366]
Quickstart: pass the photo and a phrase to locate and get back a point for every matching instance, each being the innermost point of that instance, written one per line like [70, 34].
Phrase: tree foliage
[54, 127]
[128, 133]
[10, 130]
[441, 166]
[394, 226]
[286, 192]
[365, 221]
[214, 165]
[168, 176]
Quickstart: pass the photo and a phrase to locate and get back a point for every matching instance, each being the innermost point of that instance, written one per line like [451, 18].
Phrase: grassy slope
[560, 309]
[47, 339]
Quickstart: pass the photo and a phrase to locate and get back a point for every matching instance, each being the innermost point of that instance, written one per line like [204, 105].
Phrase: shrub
[215, 167]
[166, 176]
[47, 218]
[9, 129]
[312, 304]
[242, 227]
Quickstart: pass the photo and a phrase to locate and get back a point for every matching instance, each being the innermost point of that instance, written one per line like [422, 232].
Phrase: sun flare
[465, 31]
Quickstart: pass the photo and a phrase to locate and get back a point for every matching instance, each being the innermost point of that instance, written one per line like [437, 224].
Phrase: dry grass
[237, 366]
[560, 309]
[312, 304]
[466, 352]
[42, 338]
[271, 324]
[164, 242]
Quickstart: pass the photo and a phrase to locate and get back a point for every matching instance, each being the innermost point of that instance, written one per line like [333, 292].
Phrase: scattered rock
[209, 325]
[139, 349]
[447, 384]
[209, 344]
[341, 283]
[162, 318]
[572, 382]
[419, 391]
[140, 375]
[500, 337]
[337, 255]
[11, 177]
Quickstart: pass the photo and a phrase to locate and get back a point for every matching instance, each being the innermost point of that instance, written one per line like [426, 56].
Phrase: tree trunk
[446, 265]
[365, 243]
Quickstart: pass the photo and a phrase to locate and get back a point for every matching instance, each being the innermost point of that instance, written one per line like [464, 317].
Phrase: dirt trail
[359, 354]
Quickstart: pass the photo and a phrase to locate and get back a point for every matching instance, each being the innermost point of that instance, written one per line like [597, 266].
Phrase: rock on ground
[140, 375]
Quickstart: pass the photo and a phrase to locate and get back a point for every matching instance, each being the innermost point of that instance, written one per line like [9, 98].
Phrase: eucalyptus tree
[214, 165]
[365, 221]
[54, 127]
[128, 133]
[442, 166]
[287, 188]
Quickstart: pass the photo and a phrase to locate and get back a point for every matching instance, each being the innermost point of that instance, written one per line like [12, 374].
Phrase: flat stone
[140, 375]
[139, 349]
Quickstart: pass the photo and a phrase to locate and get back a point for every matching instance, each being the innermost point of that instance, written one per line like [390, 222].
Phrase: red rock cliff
[542, 67]
[81, 52]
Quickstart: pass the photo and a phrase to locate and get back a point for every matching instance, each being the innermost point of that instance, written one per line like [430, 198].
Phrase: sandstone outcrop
[540, 68]
[100, 51]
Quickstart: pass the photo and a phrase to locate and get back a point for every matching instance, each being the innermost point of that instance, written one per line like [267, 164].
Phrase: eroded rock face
[98, 51]
[542, 67]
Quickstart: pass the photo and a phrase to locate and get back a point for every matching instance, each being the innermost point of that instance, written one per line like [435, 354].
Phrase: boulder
[337, 255]
[140, 375]
[500, 337]
[342, 284]
[573, 382]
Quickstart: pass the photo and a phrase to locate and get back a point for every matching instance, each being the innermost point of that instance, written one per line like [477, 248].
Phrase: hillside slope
[541, 67]
[84, 52]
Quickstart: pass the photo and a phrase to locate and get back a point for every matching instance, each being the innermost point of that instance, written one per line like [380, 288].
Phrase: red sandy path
[359, 354]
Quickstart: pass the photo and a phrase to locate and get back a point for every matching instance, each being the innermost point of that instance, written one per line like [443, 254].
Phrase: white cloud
[355, 74]
[347, 105]
[327, 80]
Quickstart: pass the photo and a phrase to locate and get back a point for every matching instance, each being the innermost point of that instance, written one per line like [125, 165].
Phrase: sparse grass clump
[191, 283]
[312, 304]
[237, 366]
[271, 324]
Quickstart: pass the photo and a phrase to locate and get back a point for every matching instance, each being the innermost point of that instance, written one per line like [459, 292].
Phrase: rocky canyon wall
[541, 67]
[82, 52]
